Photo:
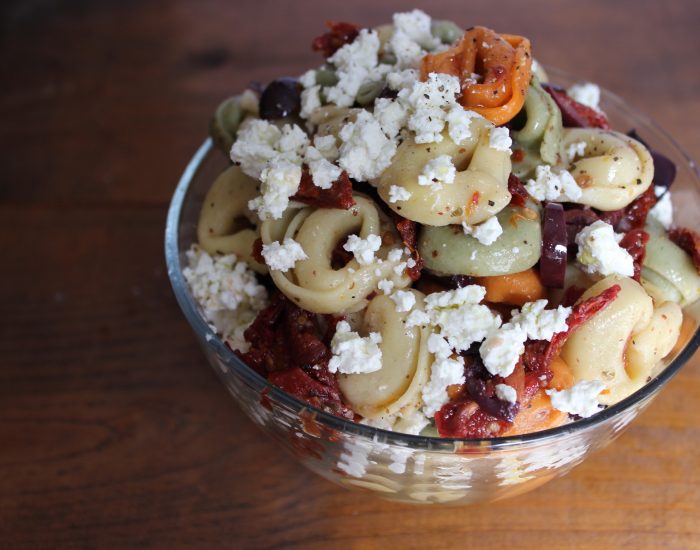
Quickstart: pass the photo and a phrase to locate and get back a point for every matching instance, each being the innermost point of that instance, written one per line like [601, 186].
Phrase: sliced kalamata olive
[280, 98]
[554, 250]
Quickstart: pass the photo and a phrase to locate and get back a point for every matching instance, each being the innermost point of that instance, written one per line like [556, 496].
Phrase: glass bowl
[408, 468]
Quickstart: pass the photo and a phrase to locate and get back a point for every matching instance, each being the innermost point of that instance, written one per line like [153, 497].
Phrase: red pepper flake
[575, 114]
[689, 241]
[635, 242]
[340, 33]
[339, 195]
[518, 193]
[409, 235]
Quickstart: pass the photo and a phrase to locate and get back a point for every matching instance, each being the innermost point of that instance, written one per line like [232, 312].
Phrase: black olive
[280, 98]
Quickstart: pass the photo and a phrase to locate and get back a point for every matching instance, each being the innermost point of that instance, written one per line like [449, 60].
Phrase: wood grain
[113, 431]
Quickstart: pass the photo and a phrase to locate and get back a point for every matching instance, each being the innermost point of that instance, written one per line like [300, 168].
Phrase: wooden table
[114, 432]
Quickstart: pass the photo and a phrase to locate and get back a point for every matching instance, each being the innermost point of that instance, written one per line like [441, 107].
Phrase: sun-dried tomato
[632, 216]
[340, 33]
[518, 193]
[575, 114]
[689, 241]
[339, 195]
[409, 235]
[635, 242]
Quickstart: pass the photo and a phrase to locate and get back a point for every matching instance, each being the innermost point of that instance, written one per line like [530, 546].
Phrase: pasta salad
[423, 234]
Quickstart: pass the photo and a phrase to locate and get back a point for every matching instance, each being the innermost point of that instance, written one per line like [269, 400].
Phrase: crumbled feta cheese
[574, 150]
[502, 348]
[366, 151]
[327, 147]
[323, 172]
[411, 38]
[394, 255]
[256, 146]
[460, 317]
[662, 211]
[428, 101]
[310, 101]
[363, 249]
[417, 318]
[398, 193]
[353, 354]
[499, 139]
[437, 171]
[486, 232]
[391, 115]
[459, 123]
[599, 251]
[280, 180]
[308, 79]
[404, 299]
[506, 393]
[553, 186]
[541, 323]
[580, 399]
[411, 263]
[354, 63]
[586, 93]
[399, 80]
[400, 268]
[386, 286]
[282, 256]
[445, 371]
[227, 291]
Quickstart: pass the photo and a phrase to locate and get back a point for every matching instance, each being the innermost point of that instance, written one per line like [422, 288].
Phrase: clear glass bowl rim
[201, 327]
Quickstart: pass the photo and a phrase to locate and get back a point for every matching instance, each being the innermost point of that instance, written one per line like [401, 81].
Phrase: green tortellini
[668, 273]
[540, 137]
[448, 251]
[227, 118]
[447, 31]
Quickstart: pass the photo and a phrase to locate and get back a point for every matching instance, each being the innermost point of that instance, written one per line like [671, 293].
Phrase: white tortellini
[226, 224]
[480, 169]
[313, 284]
[330, 119]
[614, 169]
[395, 388]
[622, 343]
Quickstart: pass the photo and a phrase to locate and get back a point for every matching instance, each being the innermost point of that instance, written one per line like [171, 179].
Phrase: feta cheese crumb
[486, 232]
[327, 147]
[428, 102]
[553, 186]
[459, 123]
[540, 323]
[599, 251]
[366, 151]
[574, 150]
[353, 354]
[580, 399]
[386, 286]
[323, 172]
[445, 371]
[282, 256]
[662, 211]
[227, 291]
[411, 38]
[404, 299]
[586, 93]
[394, 255]
[499, 139]
[502, 348]
[417, 318]
[392, 115]
[280, 180]
[363, 249]
[354, 63]
[310, 101]
[308, 79]
[506, 393]
[438, 171]
[398, 193]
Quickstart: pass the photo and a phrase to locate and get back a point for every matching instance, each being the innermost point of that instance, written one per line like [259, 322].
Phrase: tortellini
[226, 224]
[330, 119]
[614, 169]
[314, 284]
[540, 137]
[228, 117]
[622, 343]
[668, 273]
[482, 171]
[448, 251]
[396, 387]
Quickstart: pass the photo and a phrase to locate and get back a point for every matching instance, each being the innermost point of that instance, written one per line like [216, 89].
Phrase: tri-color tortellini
[405, 206]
